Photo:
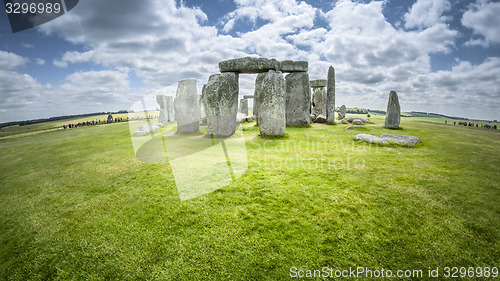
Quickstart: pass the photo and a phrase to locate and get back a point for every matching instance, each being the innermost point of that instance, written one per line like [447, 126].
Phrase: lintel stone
[293, 66]
[249, 65]
[318, 83]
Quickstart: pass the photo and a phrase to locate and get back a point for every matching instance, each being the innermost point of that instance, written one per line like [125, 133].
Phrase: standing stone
[271, 113]
[202, 108]
[187, 108]
[244, 106]
[170, 109]
[220, 98]
[257, 91]
[342, 112]
[110, 118]
[162, 101]
[393, 114]
[318, 101]
[330, 97]
[298, 99]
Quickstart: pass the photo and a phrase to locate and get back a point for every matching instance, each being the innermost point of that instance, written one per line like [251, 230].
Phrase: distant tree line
[41, 120]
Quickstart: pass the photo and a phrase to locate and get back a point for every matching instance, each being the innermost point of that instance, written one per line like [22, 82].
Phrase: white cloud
[426, 13]
[27, 46]
[10, 60]
[483, 19]
[61, 64]
[39, 61]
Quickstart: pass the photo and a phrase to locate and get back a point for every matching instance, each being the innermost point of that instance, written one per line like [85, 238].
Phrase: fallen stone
[387, 138]
[251, 118]
[401, 139]
[357, 122]
[330, 96]
[320, 119]
[297, 99]
[393, 113]
[249, 65]
[352, 118]
[342, 112]
[145, 129]
[187, 107]
[271, 115]
[220, 98]
[293, 66]
[240, 118]
[355, 127]
[343, 121]
[318, 83]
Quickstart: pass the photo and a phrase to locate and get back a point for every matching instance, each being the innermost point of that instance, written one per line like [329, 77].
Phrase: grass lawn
[77, 205]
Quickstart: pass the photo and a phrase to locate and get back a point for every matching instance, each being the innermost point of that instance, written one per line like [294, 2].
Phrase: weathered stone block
[318, 101]
[318, 83]
[220, 98]
[293, 66]
[393, 114]
[342, 112]
[248, 96]
[187, 108]
[298, 99]
[257, 91]
[330, 97]
[170, 109]
[243, 106]
[271, 95]
[162, 101]
[248, 65]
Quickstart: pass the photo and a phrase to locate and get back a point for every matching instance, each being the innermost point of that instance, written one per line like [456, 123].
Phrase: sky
[440, 56]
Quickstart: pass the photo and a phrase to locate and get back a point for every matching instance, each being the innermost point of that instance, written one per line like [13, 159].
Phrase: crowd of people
[470, 124]
[109, 120]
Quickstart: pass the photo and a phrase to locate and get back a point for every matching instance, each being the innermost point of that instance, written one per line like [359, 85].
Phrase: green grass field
[77, 205]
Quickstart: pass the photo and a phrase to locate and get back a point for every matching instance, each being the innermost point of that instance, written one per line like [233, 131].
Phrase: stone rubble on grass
[357, 121]
[147, 128]
[355, 127]
[320, 118]
[388, 138]
[352, 118]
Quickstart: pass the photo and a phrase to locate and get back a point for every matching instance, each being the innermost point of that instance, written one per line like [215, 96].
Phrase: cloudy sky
[440, 56]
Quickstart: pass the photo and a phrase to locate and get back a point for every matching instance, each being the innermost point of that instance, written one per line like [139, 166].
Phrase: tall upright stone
[297, 99]
[257, 91]
[342, 112]
[220, 98]
[330, 96]
[170, 109]
[318, 101]
[243, 106]
[202, 107]
[393, 113]
[162, 101]
[271, 109]
[187, 107]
